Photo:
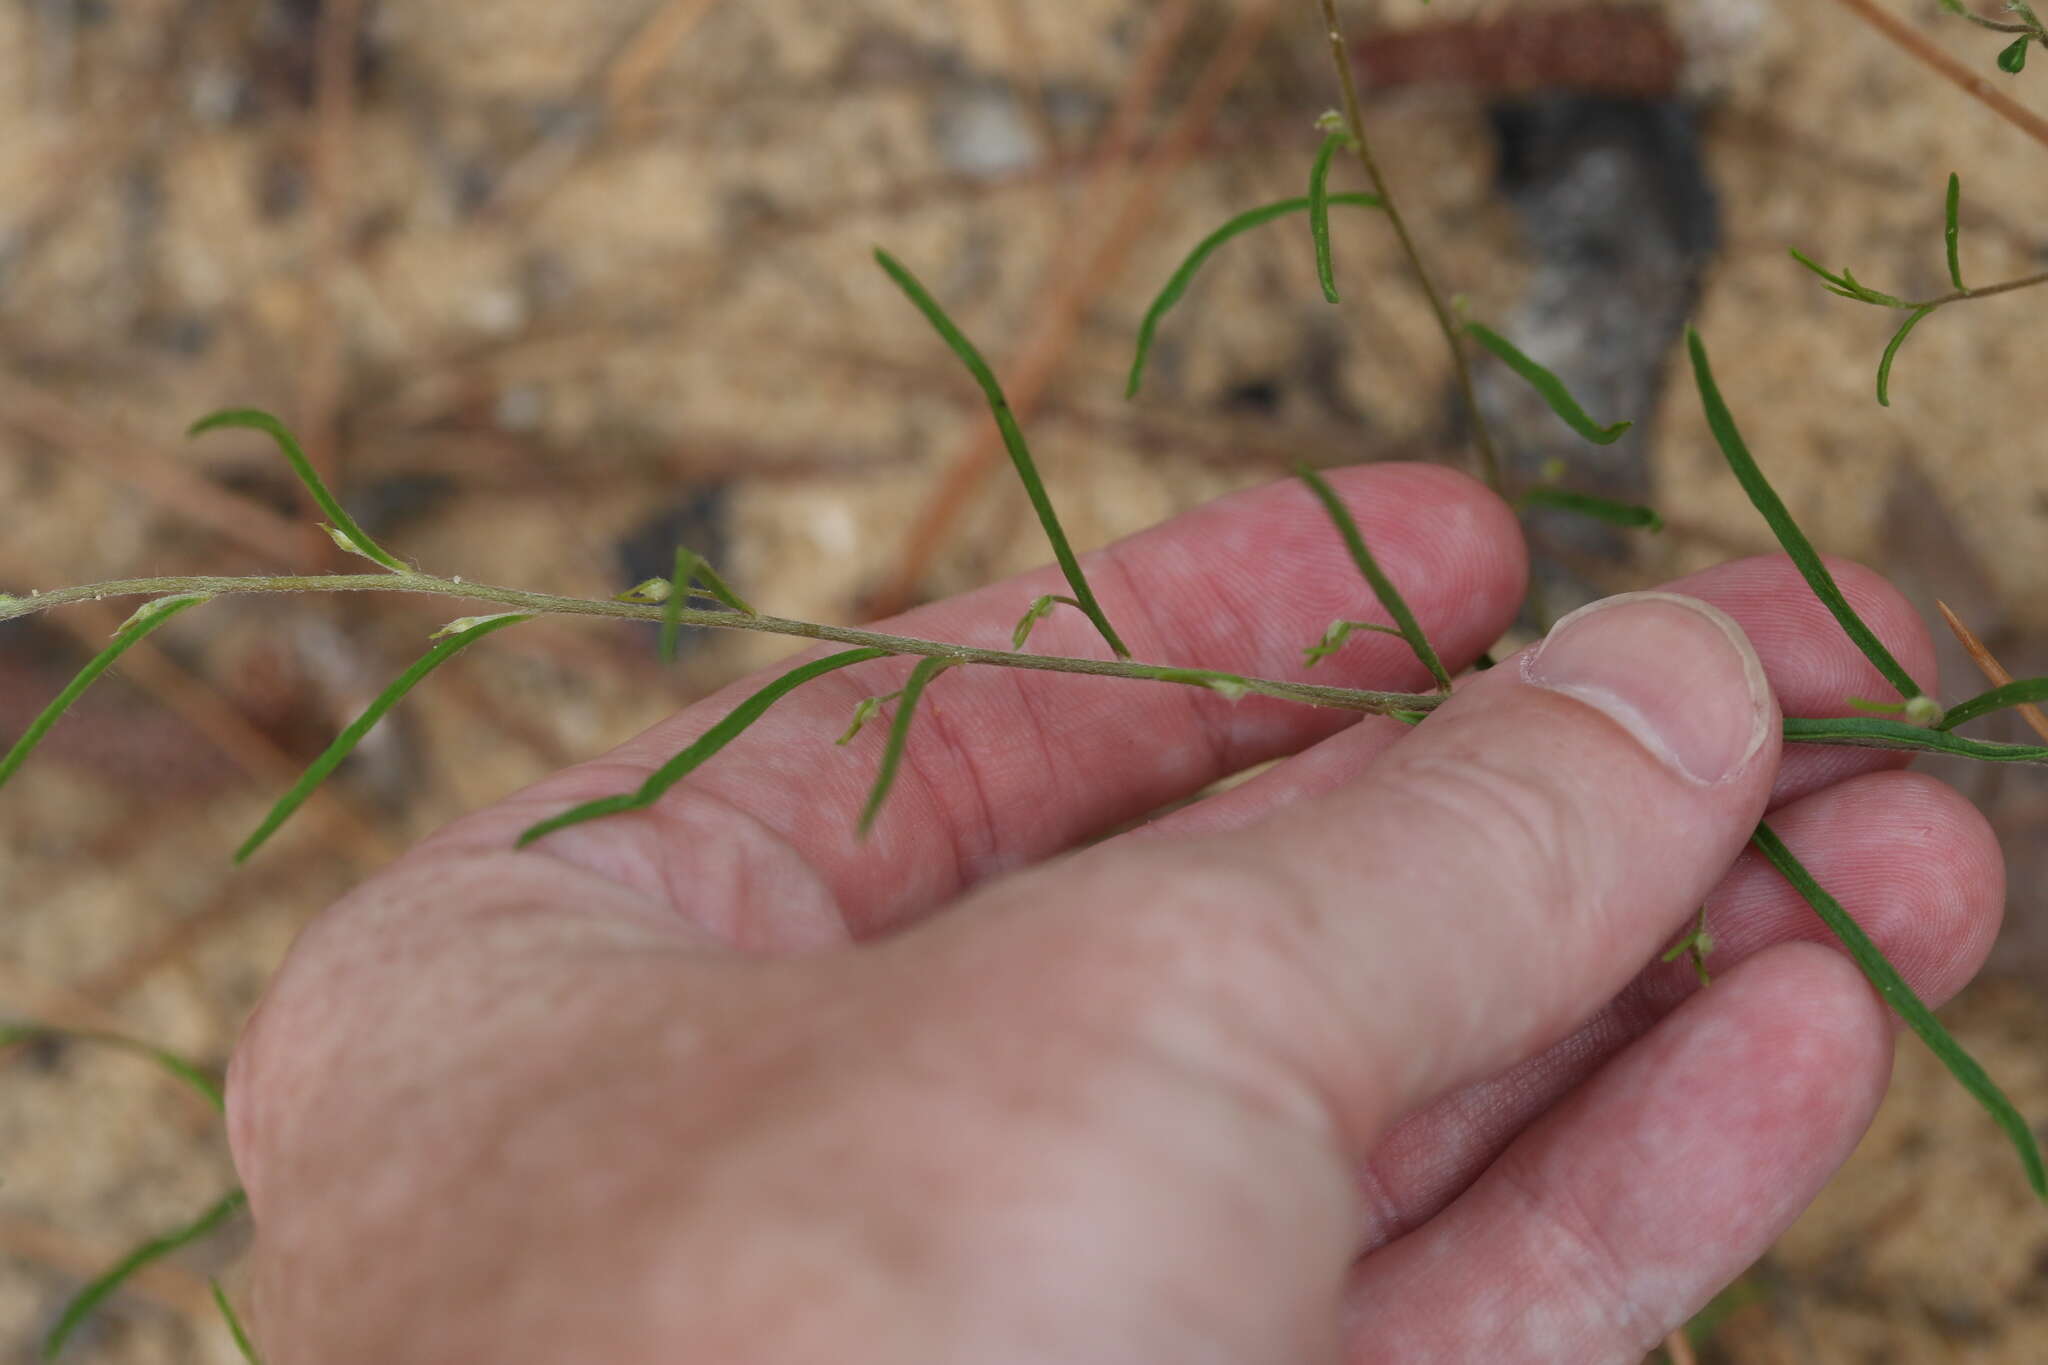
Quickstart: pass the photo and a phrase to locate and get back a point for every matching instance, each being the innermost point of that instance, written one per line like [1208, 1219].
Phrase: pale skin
[1358, 1061]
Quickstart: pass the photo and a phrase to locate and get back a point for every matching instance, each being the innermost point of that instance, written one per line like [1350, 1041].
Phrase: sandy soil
[547, 287]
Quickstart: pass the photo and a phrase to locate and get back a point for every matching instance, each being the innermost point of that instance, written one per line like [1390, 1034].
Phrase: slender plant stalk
[551, 604]
[1354, 121]
[1855, 731]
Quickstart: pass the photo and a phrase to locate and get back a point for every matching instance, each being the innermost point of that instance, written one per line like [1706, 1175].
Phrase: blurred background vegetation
[548, 286]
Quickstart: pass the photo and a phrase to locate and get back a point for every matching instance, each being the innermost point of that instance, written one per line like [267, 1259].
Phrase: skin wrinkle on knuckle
[1536, 842]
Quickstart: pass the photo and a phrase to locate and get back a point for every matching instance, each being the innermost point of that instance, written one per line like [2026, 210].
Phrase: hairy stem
[540, 603]
[1354, 122]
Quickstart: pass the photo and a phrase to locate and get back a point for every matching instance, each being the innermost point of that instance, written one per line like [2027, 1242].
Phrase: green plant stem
[1354, 121]
[550, 604]
[1853, 731]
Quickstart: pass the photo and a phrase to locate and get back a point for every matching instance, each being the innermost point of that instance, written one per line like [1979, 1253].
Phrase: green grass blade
[156, 1248]
[1891, 350]
[1382, 587]
[1951, 232]
[151, 616]
[1627, 514]
[1869, 732]
[730, 727]
[227, 1313]
[2016, 693]
[1549, 386]
[1794, 540]
[1013, 441]
[254, 419]
[899, 735]
[187, 1072]
[1319, 211]
[344, 743]
[1177, 284]
[1907, 1005]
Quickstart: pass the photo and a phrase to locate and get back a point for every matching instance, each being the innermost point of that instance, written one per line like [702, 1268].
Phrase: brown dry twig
[1992, 669]
[1941, 63]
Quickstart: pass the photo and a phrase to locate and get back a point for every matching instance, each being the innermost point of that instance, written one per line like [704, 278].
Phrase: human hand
[1359, 1060]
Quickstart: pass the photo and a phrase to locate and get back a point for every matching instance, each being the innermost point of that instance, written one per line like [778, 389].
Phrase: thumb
[1494, 877]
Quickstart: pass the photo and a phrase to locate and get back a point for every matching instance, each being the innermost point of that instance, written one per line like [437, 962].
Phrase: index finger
[1005, 767]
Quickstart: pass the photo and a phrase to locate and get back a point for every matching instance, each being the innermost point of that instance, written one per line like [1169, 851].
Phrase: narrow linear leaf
[1629, 514]
[1336, 634]
[1548, 386]
[1891, 350]
[672, 605]
[899, 736]
[1907, 1005]
[2020, 692]
[151, 616]
[1229, 686]
[345, 743]
[187, 1072]
[1869, 732]
[1796, 545]
[1382, 587]
[733, 724]
[227, 1313]
[1040, 608]
[1177, 285]
[1013, 441]
[156, 1248]
[254, 419]
[1951, 232]
[864, 710]
[1319, 210]
[1847, 285]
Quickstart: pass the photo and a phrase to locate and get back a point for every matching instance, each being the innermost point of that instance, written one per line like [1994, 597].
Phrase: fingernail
[1674, 672]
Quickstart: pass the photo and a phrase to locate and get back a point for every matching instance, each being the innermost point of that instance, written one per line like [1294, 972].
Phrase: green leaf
[1869, 732]
[156, 1248]
[730, 727]
[345, 743]
[1951, 233]
[2017, 693]
[2013, 59]
[1549, 386]
[343, 524]
[1906, 1004]
[1319, 210]
[187, 1072]
[1628, 514]
[1848, 286]
[864, 710]
[1884, 366]
[1013, 441]
[1336, 634]
[1229, 686]
[899, 736]
[1382, 587]
[1177, 285]
[1040, 608]
[1794, 541]
[691, 569]
[147, 619]
[227, 1313]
